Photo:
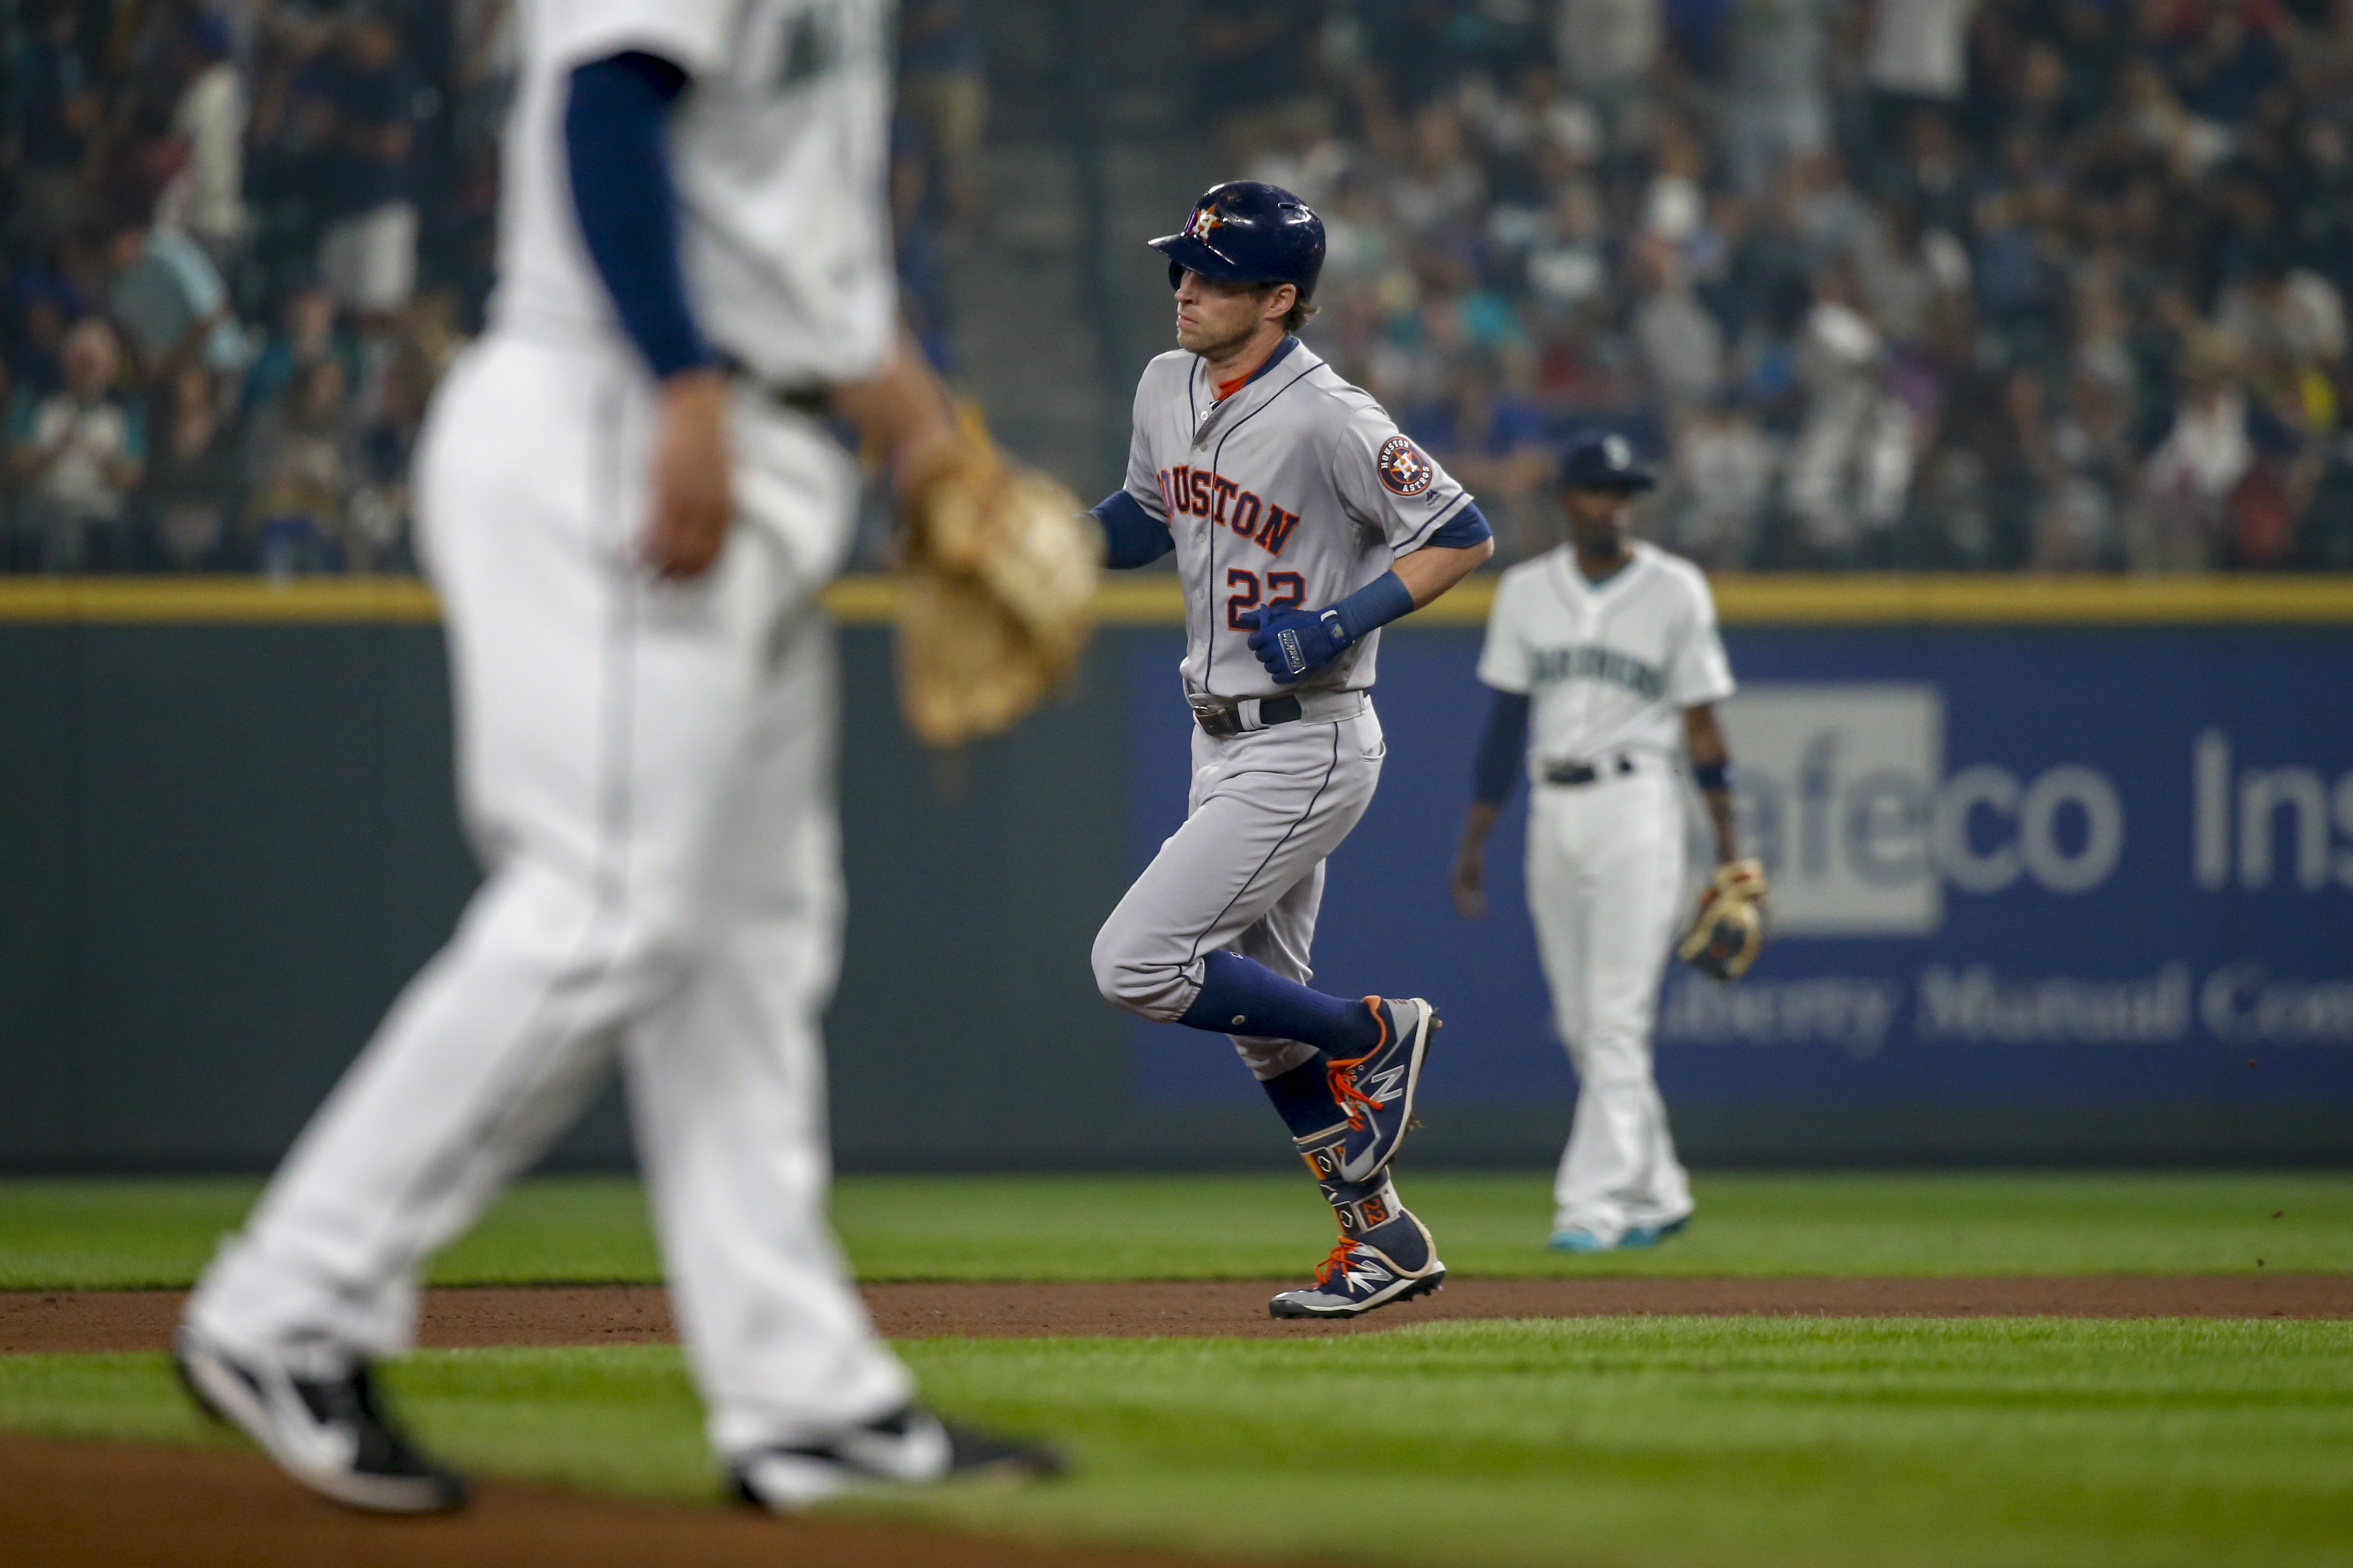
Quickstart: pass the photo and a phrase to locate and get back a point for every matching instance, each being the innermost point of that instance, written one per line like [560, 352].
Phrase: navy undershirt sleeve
[616, 141]
[1463, 530]
[1132, 536]
[1502, 749]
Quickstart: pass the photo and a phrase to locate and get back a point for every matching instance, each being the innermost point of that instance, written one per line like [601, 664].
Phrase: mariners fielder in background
[630, 501]
[1303, 522]
[1607, 667]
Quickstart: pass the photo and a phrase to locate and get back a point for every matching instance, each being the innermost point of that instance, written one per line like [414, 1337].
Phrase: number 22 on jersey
[1287, 591]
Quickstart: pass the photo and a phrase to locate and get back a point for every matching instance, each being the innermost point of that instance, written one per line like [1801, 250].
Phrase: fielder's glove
[1293, 644]
[1728, 931]
[995, 593]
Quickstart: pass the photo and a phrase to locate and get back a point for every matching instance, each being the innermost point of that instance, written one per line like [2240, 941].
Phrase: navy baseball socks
[1374, 1047]
[1242, 996]
[1384, 1253]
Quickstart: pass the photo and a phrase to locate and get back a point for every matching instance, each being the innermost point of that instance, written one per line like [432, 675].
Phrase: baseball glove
[995, 593]
[1728, 931]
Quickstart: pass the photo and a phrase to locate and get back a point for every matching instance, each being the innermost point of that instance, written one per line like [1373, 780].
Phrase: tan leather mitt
[1728, 931]
[996, 593]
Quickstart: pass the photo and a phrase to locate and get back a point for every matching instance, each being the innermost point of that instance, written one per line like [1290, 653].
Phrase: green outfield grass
[59, 1234]
[1681, 1442]
[118, 1234]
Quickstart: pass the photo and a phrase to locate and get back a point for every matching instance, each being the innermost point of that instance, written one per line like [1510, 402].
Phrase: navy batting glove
[1293, 644]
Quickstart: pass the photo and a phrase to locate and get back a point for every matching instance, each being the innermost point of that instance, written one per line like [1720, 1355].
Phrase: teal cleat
[1651, 1235]
[1576, 1238]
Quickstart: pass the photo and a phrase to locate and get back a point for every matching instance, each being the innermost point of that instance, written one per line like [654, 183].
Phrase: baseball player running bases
[1606, 666]
[630, 500]
[1301, 521]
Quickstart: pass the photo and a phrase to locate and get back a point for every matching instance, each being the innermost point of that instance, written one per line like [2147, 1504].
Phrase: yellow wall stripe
[1153, 600]
[1957, 599]
[215, 599]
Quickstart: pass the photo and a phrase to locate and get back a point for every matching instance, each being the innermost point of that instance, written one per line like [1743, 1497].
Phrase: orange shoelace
[1335, 1263]
[1352, 1101]
[1340, 1074]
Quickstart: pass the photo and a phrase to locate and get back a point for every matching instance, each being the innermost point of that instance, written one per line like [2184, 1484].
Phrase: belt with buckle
[1225, 723]
[1575, 774]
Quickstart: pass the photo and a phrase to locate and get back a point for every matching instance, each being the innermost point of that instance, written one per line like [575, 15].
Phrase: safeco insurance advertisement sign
[2012, 864]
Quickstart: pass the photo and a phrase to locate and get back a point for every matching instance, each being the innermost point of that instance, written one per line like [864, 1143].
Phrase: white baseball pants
[1605, 871]
[1245, 872]
[646, 770]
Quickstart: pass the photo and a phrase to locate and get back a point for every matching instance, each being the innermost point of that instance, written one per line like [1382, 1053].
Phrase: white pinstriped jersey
[779, 148]
[1608, 667]
[1297, 491]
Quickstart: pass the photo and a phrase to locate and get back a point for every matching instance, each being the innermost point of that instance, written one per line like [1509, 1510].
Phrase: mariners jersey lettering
[779, 148]
[1608, 667]
[1293, 492]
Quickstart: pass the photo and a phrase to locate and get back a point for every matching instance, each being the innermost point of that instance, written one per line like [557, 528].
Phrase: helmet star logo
[1203, 220]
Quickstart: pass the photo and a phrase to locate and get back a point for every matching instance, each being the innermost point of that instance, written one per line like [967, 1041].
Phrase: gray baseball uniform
[1294, 490]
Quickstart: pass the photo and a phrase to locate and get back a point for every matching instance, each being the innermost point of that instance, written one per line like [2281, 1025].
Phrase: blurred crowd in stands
[240, 239]
[1915, 284]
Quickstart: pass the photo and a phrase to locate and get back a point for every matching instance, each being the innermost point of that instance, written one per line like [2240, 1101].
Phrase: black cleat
[332, 1433]
[910, 1447]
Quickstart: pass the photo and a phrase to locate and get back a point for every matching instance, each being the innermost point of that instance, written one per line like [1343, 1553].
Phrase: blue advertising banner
[2057, 865]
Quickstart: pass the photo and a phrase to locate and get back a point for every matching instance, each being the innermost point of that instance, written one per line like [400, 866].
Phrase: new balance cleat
[333, 1434]
[1375, 1091]
[1393, 1262]
[910, 1447]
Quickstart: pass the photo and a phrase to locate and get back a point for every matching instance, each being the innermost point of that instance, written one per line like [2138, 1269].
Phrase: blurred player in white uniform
[629, 499]
[1606, 666]
[1301, 523]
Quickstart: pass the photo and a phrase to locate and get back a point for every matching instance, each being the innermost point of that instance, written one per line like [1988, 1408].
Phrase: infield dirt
[55, 1320]
[78, 1504]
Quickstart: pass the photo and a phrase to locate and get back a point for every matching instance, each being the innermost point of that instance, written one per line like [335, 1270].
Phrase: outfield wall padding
[226, 841]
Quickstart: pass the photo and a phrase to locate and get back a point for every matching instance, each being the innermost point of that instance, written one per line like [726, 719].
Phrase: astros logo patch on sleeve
[1404, 470]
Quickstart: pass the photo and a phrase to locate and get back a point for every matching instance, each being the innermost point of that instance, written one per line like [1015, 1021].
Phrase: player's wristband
[1712, 777]
[1370, 607]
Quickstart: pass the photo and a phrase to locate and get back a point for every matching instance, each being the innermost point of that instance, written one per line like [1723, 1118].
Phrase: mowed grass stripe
[1667, 1441]
[113, 1234]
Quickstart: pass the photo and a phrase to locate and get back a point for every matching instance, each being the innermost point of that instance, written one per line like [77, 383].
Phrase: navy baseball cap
[1605, 463]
